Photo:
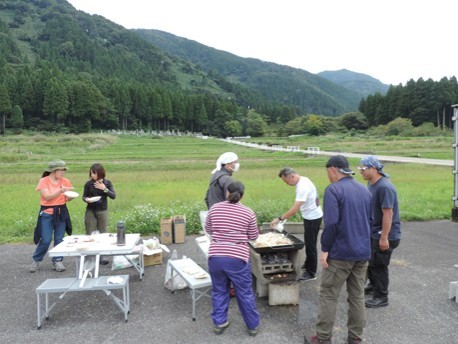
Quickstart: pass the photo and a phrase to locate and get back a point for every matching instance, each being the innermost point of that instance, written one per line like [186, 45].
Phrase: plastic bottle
[174, 255]
[121, 234]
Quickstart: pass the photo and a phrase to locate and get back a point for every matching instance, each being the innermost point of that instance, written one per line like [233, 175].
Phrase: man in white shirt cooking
[308, 202]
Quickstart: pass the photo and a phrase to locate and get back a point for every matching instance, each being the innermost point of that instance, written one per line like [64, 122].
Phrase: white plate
[71, 194]
[93, 199]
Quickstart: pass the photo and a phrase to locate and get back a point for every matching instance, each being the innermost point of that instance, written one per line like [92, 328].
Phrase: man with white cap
[226, 165]
[385, 231]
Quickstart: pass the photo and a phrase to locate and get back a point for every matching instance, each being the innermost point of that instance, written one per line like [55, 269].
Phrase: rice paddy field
[161, 176]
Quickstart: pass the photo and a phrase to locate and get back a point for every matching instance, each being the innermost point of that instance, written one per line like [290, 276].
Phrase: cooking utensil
[279, 226]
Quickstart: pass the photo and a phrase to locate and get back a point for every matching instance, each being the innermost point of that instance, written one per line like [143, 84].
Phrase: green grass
[161, 177]
[436, 147]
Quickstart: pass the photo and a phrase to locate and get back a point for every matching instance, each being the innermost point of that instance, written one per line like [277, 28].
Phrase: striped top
[231, 226]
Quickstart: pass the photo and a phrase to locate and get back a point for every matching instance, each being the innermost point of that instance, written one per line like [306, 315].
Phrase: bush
[427, 129]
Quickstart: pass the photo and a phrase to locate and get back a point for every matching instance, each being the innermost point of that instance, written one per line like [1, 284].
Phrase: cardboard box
[179, 229]
[166, 231]
[153, 259]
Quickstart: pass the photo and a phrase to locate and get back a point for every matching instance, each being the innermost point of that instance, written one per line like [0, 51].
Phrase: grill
[276, 264]
[296, 245]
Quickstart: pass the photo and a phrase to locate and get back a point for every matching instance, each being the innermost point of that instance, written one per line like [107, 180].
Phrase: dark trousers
[377, 272]
[311, 229]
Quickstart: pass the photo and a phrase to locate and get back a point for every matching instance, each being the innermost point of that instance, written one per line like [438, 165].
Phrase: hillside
[54, 31]
[292, 86]
[66, 70]
[362, 84]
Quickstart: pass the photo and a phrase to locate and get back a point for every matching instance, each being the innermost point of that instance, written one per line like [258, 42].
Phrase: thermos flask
[121, 234]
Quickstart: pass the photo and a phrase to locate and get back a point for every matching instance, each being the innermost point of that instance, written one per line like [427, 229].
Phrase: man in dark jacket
[226, 165]
[346, 249]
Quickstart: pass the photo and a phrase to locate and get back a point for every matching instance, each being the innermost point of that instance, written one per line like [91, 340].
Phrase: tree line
[420, 101]
[44, 98]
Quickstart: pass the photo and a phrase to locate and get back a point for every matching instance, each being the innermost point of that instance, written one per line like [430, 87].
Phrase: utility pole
[455, 164]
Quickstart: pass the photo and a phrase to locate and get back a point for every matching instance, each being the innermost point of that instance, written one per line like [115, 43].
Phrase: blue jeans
[47, 229]
[223, 271]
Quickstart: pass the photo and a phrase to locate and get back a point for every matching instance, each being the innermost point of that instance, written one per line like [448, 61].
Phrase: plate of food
[93, 199]
[201, 275]
[71, 194]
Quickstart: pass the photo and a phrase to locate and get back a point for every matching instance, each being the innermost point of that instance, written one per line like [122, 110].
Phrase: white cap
[224, 159]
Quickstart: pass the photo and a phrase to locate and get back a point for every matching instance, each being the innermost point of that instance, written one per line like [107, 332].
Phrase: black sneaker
[307, 276]
[377, 302]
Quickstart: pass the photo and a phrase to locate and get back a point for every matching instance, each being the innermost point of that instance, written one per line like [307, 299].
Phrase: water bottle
[174, 255]
[121, 234]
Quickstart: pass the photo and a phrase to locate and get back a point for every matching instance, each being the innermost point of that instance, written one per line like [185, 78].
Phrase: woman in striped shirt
[231, 225]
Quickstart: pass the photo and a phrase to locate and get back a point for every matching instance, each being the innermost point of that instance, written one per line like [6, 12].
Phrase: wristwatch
[106, 190]
[280, 218]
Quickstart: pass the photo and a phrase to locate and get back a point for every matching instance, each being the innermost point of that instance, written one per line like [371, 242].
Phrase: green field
[157, 177]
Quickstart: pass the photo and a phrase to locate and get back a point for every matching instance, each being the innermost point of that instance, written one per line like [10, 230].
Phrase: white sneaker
[34, 266]
[58, 266]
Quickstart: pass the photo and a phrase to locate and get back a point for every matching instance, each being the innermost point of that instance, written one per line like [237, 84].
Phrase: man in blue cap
[385, 231]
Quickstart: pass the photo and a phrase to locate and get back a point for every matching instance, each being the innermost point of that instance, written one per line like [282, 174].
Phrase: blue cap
[372, 161]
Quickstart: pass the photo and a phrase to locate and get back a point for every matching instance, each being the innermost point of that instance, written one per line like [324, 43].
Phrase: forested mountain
[362, 84]
[283, 84]
[65, 70]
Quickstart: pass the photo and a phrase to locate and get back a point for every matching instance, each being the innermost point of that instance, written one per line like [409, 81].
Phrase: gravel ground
[419, 311]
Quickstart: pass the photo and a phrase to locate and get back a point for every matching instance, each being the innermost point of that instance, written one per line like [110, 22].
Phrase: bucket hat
[56, 165]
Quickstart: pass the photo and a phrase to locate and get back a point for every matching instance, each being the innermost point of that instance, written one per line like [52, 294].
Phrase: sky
[391, 40]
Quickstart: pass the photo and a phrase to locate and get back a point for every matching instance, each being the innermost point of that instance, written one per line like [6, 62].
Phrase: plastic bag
[173, 282]
[121, 262]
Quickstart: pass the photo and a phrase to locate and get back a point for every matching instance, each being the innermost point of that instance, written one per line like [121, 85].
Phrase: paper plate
[71, 194]
[93, 199]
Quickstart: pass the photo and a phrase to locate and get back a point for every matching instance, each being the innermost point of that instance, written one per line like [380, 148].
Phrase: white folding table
[179, 268]
[101, 245]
